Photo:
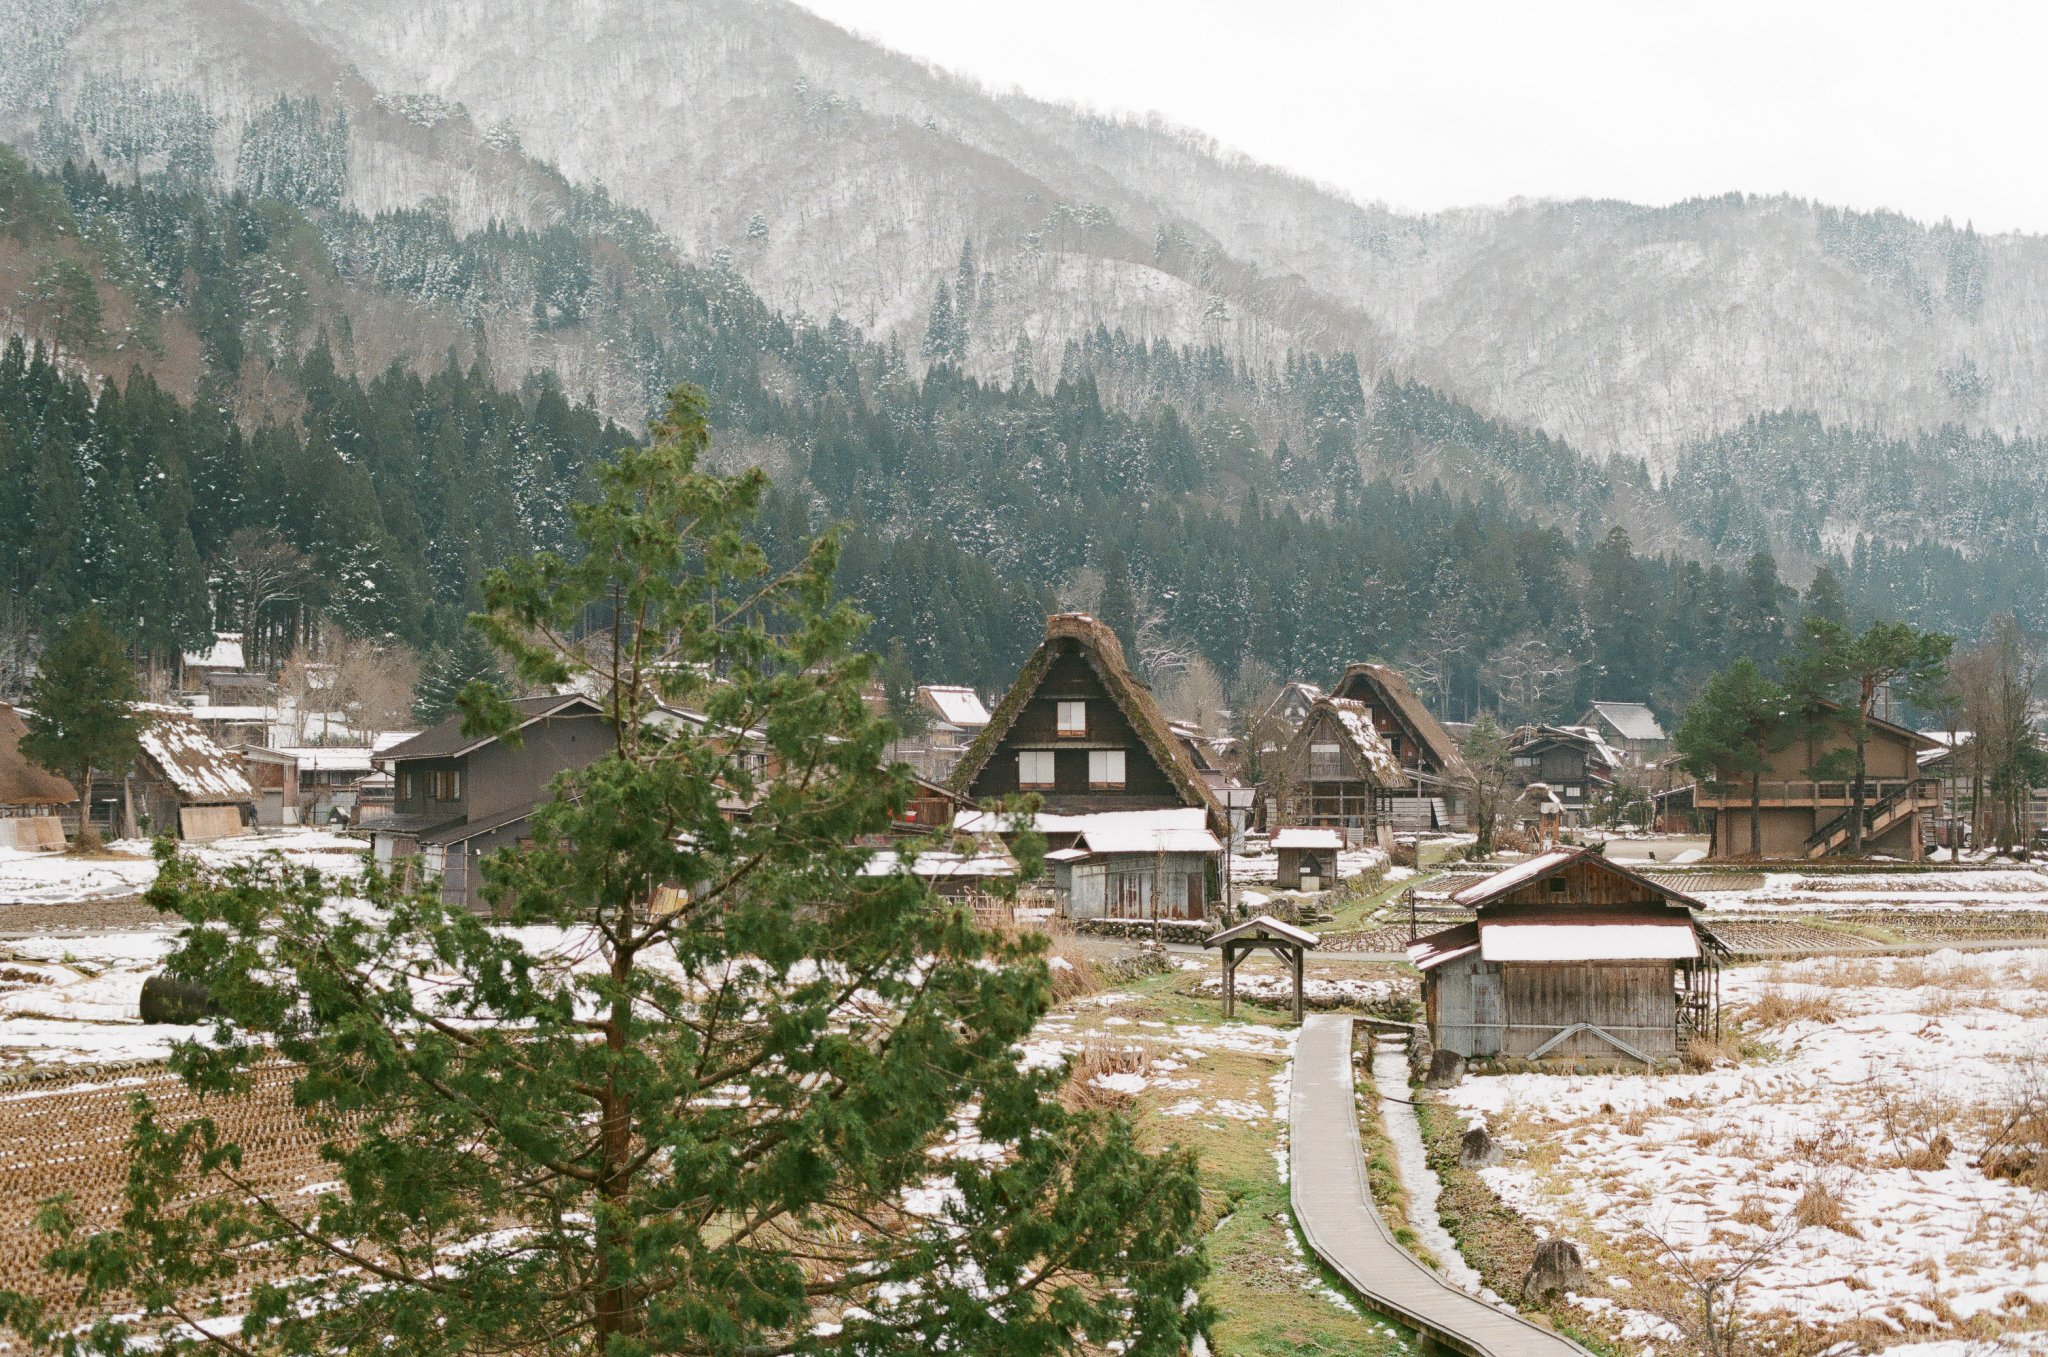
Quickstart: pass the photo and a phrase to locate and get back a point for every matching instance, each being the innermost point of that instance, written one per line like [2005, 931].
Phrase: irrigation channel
[1333, 1205]
[1390, 1071]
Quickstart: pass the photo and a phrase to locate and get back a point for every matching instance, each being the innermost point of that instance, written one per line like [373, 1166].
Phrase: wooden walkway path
[1326, 1178]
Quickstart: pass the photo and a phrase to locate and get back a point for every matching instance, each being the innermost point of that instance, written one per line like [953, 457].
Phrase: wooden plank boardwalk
[1326, 1179]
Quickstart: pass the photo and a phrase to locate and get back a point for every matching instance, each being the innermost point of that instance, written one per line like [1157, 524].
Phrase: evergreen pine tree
[470, 659]
[938, 327]
[1119, 606]
[82, 706]
[633, 1143]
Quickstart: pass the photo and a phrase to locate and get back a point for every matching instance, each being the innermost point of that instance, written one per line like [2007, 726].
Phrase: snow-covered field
[1840, 1159]
[2011, 889]
[75, 998]
[128, 868]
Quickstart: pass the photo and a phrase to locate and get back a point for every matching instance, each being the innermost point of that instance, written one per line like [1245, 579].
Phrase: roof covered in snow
[187, 757]
[1631, 720]
[1176, 830]
[225, 653]
[331, 758]
[1511, 879]
[1634, 939]
[1298, 837]
[958, 706]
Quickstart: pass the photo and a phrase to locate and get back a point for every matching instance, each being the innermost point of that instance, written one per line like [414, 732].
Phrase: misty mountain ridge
[841, 180]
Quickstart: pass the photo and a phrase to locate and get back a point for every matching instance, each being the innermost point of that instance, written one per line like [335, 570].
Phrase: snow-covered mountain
[843, 179]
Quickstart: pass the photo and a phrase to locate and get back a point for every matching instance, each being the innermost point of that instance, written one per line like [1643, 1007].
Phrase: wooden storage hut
[185, 783]
[1570, 956]
[274, 777]
[32, 799]
[1308, 858]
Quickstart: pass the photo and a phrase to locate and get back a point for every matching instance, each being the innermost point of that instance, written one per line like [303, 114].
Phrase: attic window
[1034, 768]
[1105, 770]
[1073, 718]
[1557, 885]
[1528, 760]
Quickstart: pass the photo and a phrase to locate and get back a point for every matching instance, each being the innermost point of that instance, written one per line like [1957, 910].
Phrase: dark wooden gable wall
[1070, 677]
[1585, 883]
[1409, 748]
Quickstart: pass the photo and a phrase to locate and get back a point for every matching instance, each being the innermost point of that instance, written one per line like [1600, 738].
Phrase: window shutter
[1105, 769]
[1034, 768]
[1073, 718]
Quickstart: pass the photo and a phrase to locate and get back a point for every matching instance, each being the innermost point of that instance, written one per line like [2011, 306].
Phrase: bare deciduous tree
[1526, 675]
[255, 569]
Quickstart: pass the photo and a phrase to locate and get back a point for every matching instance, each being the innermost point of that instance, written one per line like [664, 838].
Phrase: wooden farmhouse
[1132, 825]
[274, 777]
[1337, 772]
[1431, 766]
[1630, 727]
[1572, 761]
[1801, 817]
[460, 797]
[32, 799]
[1571, 956]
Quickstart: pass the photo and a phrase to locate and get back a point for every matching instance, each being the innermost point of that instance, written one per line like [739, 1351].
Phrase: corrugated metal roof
[1634, 720]
[1633, 941]
[1121, 839]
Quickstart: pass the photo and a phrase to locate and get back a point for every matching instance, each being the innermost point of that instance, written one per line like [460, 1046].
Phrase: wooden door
[1486, 1011]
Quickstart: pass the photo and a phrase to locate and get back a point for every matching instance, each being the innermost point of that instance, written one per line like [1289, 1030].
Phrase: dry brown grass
[87, 842]
[1777, 1007]
[1097, 1058]
[1702, 1054]
[1074, 973]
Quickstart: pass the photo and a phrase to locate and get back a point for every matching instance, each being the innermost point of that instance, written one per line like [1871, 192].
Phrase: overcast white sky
[1935, 110]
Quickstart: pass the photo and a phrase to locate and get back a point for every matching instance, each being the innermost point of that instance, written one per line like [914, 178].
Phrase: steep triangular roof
[1631, 720]
[1387, 684]
[1103, 653]
[23, 783]
[1352, 724]
[447, 741]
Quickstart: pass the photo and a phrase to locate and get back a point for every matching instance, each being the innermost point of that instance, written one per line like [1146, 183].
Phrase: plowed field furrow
[71, 1135]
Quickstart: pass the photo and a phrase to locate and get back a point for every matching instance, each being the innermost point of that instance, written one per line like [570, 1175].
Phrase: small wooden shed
[1287, 943]
[1571, 955]
[1308, 857]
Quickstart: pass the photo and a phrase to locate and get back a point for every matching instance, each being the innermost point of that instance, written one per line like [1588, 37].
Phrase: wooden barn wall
[1633, 999]
[1481, 1008]
[1584, 884]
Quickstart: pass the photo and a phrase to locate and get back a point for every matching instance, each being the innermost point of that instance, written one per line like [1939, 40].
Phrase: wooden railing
[1735, 795]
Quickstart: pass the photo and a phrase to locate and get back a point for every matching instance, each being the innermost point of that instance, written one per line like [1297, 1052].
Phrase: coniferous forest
[1276, 523]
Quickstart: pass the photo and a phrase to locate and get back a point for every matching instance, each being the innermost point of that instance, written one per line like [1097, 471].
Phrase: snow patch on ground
[1879, 1061]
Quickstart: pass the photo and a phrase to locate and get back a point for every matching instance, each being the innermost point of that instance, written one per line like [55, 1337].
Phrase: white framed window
[1073, 718]
[1573, 793]
[1034, 768]
[1105, 769]
[1528, 760]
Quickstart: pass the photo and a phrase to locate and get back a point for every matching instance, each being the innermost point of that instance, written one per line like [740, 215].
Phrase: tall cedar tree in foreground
[733, 1129]
[1734, 726]
[81, 704]
[1835, 664]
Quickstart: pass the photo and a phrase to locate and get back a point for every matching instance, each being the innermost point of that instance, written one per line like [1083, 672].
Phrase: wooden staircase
[1878, 817]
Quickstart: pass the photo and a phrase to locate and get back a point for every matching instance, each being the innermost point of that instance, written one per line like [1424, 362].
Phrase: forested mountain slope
[1253, 520]
[841, 180]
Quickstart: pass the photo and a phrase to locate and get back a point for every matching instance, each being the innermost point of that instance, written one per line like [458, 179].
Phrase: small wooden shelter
[1265, 933]
[184, 782]
[1571, 955]
[1308, 858]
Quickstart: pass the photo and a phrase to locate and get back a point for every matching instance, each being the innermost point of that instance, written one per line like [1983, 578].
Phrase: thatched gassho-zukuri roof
[23, 783]
[1105, 655]
[1390, 684]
